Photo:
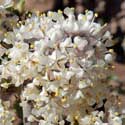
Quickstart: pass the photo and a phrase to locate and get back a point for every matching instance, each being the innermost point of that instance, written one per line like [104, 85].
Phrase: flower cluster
[63, 65]
[95, 118]
[6, 117]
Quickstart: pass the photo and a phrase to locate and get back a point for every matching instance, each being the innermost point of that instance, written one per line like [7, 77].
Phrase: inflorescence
[63, 64]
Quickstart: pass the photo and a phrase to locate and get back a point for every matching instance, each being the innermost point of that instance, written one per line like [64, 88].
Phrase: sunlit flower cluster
[63, 64]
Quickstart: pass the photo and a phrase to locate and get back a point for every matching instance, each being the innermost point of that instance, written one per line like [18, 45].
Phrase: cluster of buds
[63, 64]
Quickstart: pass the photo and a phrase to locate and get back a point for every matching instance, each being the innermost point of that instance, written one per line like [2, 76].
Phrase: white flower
[89, 15]
[61, 122]
[79, 94]
[31, 118]
[69, 11]
[80, 43]
[69, 74]
[18, 51]
[55, 34]
[108, 58]
[2, 50]
[114, 119]
[84, 83]
[30, 93]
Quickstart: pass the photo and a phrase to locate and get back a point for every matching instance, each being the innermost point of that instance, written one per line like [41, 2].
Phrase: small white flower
[55, 34]
[79, 95]
[80, 43]
[108, 58]
[31, 118]
[69, 74]
[83, 84]
[89, 15]
[68, 11]
[61, 122]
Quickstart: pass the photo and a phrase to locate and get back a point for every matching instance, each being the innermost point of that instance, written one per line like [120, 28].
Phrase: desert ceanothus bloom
[63, 64]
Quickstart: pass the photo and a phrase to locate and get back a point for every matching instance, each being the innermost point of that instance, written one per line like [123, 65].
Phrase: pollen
[32, 46]
[60, 12]
[111, 50]
[63, 99]
[96, 14]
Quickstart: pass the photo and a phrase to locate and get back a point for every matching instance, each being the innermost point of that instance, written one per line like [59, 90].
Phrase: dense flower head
[63, 63]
